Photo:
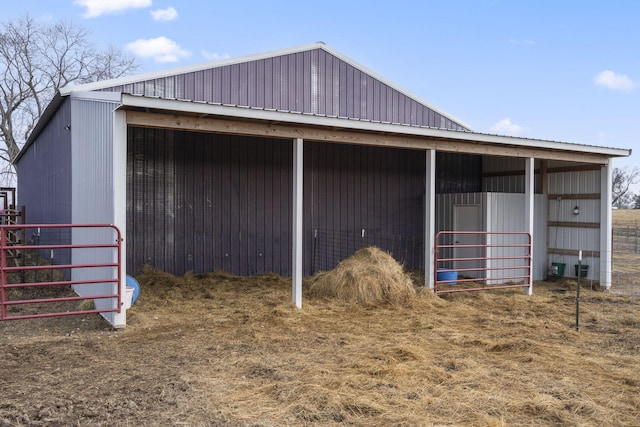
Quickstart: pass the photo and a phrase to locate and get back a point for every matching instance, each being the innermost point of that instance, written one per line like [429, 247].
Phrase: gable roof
[316, 86]
[310, 79]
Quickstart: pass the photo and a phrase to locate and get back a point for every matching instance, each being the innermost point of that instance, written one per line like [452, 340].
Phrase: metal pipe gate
[25, 290]
[482, 260]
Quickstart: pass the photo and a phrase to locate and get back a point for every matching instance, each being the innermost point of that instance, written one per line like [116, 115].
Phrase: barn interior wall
[506, 175]
[499, 212]
[357, 196]
[203, 202]
[567, 232]
[458, 173]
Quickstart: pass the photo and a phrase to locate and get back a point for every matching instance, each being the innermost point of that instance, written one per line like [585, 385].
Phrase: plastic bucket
[584, 270]
[450, 277]
[557, 268]
[128, 297]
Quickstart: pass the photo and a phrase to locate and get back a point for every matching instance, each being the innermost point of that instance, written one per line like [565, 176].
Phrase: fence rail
[481, 260]
[38, 287]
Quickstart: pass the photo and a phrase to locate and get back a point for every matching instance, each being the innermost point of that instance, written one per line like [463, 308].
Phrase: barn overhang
[203, 117]
[184, 115]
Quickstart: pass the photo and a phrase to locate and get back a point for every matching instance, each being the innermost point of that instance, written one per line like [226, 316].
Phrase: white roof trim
[360, 125]
[254, 57]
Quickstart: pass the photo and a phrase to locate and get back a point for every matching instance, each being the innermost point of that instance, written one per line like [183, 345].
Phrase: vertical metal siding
[44, 180]
[92, 156]
[569, 186]
[500, 212]
[505, 213]
[92, 188]
[44, 172]
[312, 82]
[353, 188]
[458, 173]
[201, 202]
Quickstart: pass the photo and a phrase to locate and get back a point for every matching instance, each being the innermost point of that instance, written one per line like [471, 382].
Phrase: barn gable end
[312, 80]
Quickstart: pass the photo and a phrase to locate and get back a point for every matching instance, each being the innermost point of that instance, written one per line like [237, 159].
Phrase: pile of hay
[369, 277]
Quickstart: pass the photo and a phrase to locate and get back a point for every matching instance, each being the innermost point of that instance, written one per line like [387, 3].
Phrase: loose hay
[370, 277]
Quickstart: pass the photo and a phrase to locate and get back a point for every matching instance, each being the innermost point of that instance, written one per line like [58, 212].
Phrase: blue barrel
[133, 283]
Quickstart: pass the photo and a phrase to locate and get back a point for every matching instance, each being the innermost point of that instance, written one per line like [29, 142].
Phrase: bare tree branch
[36, 60]
[621, 182]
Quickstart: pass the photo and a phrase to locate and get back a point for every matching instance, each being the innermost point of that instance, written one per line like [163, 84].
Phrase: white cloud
[102, 7]
[614, 81]
[168, 14]
[526, 41]
[212, 56]
[160, 49]
[505, 127]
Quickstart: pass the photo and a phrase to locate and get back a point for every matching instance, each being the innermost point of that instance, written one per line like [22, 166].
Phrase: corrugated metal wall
[92, 189]
[92, 157]
[506, 213]
[458, 173]
[44, 180]
[201, 202]
[312, 82]
[47, 193]
[506, 175]
[500, 212]
[445, 216]
[362, 196]
[574, 232]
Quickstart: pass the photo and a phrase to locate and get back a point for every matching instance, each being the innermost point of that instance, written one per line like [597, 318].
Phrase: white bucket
[128, 297]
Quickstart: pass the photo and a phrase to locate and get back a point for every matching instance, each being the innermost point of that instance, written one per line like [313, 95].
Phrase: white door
[468, 218]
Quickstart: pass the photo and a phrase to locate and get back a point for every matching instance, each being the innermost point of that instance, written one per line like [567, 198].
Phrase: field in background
[626, 252]
[214, 349]
[626, 218]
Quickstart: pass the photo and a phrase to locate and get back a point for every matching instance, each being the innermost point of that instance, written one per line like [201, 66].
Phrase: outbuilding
[289, 161]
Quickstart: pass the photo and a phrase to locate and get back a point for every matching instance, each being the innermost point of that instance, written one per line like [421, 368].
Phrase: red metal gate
[48, 270]
[493, 260]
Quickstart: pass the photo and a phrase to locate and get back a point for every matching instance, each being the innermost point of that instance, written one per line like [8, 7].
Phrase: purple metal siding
[44, 181]
[44, 172]
[349, 189]
[311, 82]
[200, 202]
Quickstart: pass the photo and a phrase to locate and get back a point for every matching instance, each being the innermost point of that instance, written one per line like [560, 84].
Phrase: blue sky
[564, 70]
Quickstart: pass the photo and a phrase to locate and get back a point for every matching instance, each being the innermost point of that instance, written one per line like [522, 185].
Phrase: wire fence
[616, 312]
[332, 246]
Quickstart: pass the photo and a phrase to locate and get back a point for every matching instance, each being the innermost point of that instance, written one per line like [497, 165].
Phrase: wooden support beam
[349, 136]
[573, 252]
[573, 224]
[591, 196]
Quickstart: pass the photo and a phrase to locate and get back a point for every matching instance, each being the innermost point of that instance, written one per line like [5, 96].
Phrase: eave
[204, 117]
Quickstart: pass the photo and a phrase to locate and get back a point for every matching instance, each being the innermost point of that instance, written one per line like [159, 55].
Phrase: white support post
[429, 218]
[296, 271]
[529, 180]
[120, 200]
[606, 224]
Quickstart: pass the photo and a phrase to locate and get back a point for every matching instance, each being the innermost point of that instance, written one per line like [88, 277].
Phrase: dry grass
[626, 217]
[215, 349]
[370, 276]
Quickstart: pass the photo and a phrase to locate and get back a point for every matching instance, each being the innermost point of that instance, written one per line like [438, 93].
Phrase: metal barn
[289, 161]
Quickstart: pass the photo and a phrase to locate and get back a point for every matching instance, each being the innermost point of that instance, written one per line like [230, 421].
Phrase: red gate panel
[45, 269]
[493, 260]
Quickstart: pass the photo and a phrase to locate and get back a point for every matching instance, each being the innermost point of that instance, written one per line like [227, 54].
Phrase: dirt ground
[215, 349]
